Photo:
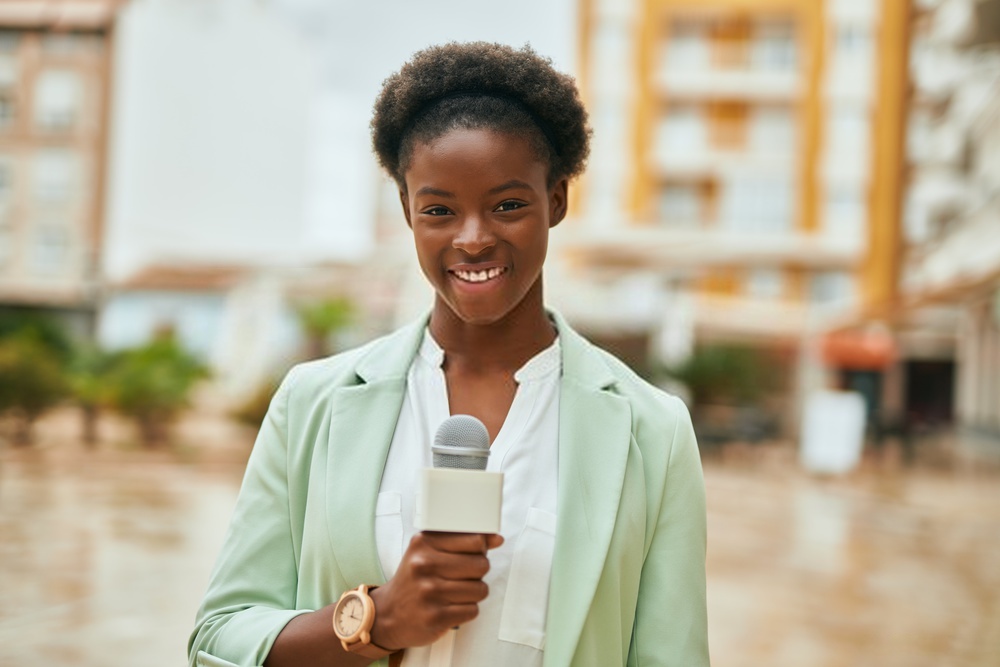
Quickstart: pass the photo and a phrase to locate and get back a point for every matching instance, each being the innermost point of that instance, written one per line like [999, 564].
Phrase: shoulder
[588, 363]
[652, 407]
[385, 357]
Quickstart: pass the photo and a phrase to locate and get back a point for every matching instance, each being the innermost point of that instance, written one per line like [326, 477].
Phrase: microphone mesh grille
[462, 442]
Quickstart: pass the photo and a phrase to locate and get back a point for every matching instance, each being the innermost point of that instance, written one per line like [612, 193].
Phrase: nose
[474, 237]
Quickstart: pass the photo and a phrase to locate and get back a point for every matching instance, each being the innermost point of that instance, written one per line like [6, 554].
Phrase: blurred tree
[90, 382]
[46, 330]
[152, 384]
[320, 320]
[724, 374]
[32, 380]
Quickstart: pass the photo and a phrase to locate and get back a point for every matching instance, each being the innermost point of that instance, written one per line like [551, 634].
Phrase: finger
[464, 543]
[450, 592]
[433, 564]
[453, 615]
[494, 541]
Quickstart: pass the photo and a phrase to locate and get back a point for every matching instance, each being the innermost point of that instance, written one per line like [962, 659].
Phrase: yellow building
[756, 151]
[747, 160]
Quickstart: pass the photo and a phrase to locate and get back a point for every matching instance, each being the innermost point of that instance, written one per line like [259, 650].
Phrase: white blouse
[510, 628]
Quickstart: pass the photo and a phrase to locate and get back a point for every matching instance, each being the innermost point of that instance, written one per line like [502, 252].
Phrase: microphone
[457, 495]
[461, 442]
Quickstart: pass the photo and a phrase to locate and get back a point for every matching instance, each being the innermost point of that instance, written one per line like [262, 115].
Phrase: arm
[248, 615]
[438, 586]
[671, 617]
[251, 593]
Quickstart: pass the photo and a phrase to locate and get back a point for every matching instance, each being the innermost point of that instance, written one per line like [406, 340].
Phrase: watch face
[348, 616]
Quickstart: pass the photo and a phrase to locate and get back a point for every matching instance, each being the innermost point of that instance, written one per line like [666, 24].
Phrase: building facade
[54, 84]
[747, 162]
[948, 311]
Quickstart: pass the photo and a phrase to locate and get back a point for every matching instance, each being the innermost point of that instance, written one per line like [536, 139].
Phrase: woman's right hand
[437, 586]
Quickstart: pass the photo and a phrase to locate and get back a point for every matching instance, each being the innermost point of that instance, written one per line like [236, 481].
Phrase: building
[54, 87]
[747, 164]
[947, 315]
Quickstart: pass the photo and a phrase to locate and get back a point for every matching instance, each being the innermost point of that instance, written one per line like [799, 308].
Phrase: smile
[480, 276]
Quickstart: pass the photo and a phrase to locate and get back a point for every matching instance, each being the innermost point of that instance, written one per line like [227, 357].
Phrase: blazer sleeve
[252, 591]
[671, 621]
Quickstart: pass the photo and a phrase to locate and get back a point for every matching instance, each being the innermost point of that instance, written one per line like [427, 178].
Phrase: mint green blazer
[628, 572]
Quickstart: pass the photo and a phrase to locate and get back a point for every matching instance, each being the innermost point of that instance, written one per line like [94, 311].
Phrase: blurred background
[791, 218]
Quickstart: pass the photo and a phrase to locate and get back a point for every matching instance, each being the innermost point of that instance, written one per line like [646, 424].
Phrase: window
[9, 39]
[687, 46]
[764, 284]
[6, 109]
[51, 249]
[71, 44]
[848, 129]
[58, 97]
[757, 204]
[772, 130]
[8, 70]
[845, 212]
[680, 206]
[832, 287]
[683, 130]
[773, 46]
[852, 42]
[5, 181]
[55, 175]
[6, 243]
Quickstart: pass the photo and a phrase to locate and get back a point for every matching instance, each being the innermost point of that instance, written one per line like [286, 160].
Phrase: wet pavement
[104, 556]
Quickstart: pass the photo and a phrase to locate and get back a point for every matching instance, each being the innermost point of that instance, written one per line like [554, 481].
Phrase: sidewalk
[104, 555]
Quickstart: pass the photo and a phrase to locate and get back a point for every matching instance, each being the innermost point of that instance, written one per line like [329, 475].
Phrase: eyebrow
[513, 184]
[436, 192]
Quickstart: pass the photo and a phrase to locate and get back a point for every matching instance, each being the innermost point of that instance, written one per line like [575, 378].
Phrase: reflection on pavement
[104, 558]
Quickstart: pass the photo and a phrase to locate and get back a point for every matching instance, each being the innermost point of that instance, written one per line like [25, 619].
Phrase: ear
[405, 202]
[558, 201]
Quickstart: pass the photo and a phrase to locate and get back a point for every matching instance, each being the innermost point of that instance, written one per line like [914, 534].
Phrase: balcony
[725, 83]
[687, 247]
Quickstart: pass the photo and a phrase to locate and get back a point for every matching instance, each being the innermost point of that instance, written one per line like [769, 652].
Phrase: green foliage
[321, 319]
[89, 374]
[32, 380]
[152, 384]
[724, 374]
[44, 330]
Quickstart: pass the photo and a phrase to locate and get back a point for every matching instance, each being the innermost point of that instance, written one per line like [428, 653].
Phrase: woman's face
[480, 211]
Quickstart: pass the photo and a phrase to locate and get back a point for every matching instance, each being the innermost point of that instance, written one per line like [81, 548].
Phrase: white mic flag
[457, 495]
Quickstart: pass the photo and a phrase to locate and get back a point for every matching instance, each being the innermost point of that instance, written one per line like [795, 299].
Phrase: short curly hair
[478, 85]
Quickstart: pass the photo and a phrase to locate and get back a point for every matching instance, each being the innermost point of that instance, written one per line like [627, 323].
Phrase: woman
[603, 550]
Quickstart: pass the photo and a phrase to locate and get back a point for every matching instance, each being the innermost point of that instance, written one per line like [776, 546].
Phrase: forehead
[474, 157]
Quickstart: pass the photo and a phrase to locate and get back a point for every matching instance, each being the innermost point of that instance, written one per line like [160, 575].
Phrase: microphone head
[463, 442]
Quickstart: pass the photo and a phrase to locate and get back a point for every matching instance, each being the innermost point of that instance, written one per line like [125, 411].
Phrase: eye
[436, 211]
[509, 205]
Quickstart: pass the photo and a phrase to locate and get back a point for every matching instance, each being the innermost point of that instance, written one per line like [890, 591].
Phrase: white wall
[240, 127]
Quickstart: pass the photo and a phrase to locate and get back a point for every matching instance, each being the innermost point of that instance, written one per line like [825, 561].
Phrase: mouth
[481, 276]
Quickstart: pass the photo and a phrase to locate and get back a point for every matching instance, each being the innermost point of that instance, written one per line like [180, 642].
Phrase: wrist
[381, 632]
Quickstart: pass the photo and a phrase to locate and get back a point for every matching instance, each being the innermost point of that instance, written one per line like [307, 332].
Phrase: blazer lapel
[362, 422]
[594, 439]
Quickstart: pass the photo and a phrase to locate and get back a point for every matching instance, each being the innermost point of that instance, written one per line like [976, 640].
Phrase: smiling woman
[601, 560]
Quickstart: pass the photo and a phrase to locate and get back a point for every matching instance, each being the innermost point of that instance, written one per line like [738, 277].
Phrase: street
[106, 553]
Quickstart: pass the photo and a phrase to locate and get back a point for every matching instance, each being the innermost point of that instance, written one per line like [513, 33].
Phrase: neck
[505, 344]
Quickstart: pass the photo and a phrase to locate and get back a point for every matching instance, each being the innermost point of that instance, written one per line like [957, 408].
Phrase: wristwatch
[353, 618]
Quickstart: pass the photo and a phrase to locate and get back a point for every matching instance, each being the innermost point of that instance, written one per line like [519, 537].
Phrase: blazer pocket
[389, 531]
[522, 620]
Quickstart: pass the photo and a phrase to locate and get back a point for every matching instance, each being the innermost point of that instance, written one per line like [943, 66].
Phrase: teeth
[480, 276]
